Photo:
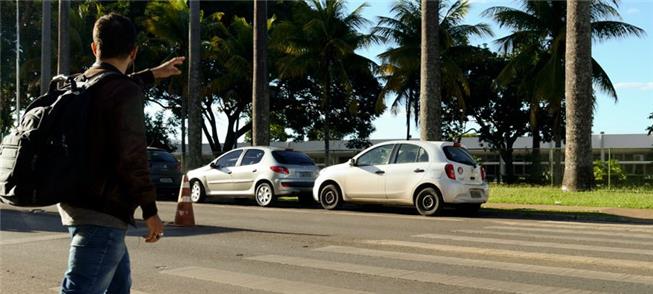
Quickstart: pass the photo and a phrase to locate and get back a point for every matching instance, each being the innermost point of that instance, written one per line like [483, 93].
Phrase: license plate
[305, 174]
[476, 194]
[165, 180]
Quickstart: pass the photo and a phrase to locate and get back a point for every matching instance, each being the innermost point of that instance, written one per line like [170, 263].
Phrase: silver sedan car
[262, 173]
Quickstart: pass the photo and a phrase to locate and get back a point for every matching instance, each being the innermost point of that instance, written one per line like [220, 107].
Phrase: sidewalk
[642, 214]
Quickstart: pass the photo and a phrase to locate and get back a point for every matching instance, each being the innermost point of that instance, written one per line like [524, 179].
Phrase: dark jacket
[118, 179]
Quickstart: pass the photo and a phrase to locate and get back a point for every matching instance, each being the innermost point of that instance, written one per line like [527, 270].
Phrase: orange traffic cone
[184, 216]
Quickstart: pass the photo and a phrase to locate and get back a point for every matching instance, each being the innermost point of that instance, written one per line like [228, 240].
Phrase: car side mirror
[352, 162]
[214, 165]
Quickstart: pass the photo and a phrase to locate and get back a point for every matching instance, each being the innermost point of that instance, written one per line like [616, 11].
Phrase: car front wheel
[428, 201]
[264, 195]
[330, 197]
[197, 194]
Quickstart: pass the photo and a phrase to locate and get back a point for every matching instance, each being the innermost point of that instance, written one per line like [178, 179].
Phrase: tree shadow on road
[39, 220]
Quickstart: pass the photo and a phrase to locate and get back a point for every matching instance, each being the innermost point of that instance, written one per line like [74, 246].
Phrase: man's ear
[94, 49]
[133, 54]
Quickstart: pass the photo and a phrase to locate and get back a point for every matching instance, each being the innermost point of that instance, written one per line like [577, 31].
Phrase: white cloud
[648, 86]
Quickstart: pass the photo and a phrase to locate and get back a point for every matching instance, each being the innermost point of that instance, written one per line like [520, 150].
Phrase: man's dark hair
[115, 35]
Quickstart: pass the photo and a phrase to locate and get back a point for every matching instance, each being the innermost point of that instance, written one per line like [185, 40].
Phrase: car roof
[420, 143]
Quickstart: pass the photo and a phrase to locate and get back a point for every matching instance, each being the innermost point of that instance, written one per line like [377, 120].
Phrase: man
[118, 181]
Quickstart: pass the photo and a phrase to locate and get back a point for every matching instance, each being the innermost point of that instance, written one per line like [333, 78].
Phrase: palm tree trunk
[194, 108]
[557, 153]
[17, 63]
[327, 116]
[430, 95]
[63, 55]
[46, 44]
[409, 99]
[260, 96]
[578, 174]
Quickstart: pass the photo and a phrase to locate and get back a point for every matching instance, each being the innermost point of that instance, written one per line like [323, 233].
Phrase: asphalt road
[241, 248]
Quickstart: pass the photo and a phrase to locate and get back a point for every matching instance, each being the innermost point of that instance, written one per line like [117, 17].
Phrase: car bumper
[285, 187]
[466, 193]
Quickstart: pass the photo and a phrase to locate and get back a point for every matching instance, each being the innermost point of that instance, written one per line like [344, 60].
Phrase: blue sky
[628, 62]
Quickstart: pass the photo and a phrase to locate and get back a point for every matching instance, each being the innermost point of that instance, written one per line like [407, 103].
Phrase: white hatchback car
[262, 173]
[427, 175]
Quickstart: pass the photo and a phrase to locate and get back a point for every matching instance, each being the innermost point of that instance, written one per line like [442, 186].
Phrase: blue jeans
[98, 261]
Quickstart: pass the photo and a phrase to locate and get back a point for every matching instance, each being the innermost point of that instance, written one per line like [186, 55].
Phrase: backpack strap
[92, 80]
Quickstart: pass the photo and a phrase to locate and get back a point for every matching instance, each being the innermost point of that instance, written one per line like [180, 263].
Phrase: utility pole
[46, 42]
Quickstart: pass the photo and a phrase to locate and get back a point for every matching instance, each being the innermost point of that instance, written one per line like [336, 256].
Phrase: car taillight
[483, 173]
[280, 170]
[450, 172]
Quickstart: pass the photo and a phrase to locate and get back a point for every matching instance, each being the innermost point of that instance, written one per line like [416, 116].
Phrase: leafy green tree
[400, 68]
[319, 42]
[537, 47]
[650, 129]
[158, 131]
[600, 170]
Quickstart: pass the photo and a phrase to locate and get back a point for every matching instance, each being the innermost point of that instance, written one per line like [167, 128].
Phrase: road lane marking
[575, 232]
[609, 262]
[443, 279]
[132, 291]
[537, 244]
[35, 239]
[629, 242]
[580, 226]
[493, 265]
[255, 282]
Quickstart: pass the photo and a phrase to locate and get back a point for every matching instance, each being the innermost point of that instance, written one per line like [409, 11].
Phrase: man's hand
[168, 68]
[155, 226]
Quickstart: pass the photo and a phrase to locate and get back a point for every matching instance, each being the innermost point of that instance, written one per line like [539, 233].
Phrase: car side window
[229, 159]
[423, 156]
[252, 156]
[407, 153]
[377, 156]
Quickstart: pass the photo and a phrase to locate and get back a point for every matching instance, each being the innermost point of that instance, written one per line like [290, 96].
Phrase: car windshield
[292, 157]
[459, 154]
[160, 156]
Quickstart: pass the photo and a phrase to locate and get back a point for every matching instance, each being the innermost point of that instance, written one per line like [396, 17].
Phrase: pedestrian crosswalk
[502, 256]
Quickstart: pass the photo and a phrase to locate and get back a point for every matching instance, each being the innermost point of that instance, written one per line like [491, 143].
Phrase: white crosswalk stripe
[582, 226]
[444, 279]
[574, 232]
[256, 282]
[507, 266]
[536, 244]
[558, 237]
[610, 262]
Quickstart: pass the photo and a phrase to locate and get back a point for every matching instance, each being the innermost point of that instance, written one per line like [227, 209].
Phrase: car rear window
[157, 155]
[459, 154]
[292, 157]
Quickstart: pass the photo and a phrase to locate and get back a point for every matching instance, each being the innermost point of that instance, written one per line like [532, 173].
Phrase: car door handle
[379, 172]
[419, 170]
[254, 170]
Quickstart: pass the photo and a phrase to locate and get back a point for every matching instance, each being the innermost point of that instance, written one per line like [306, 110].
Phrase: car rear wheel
[264, 195]
[197, 193]
[428, 201]
[330, 197]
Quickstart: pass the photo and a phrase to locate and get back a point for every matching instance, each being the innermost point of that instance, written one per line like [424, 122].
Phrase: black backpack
[42, 160]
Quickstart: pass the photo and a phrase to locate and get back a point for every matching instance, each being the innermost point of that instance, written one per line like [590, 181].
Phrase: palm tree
[429, 90]
[260, 96]
[320, 41]
[401, 65]
[63, 55]
[194, 108]
[46, 44]
[579, 174]
[537, 48]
